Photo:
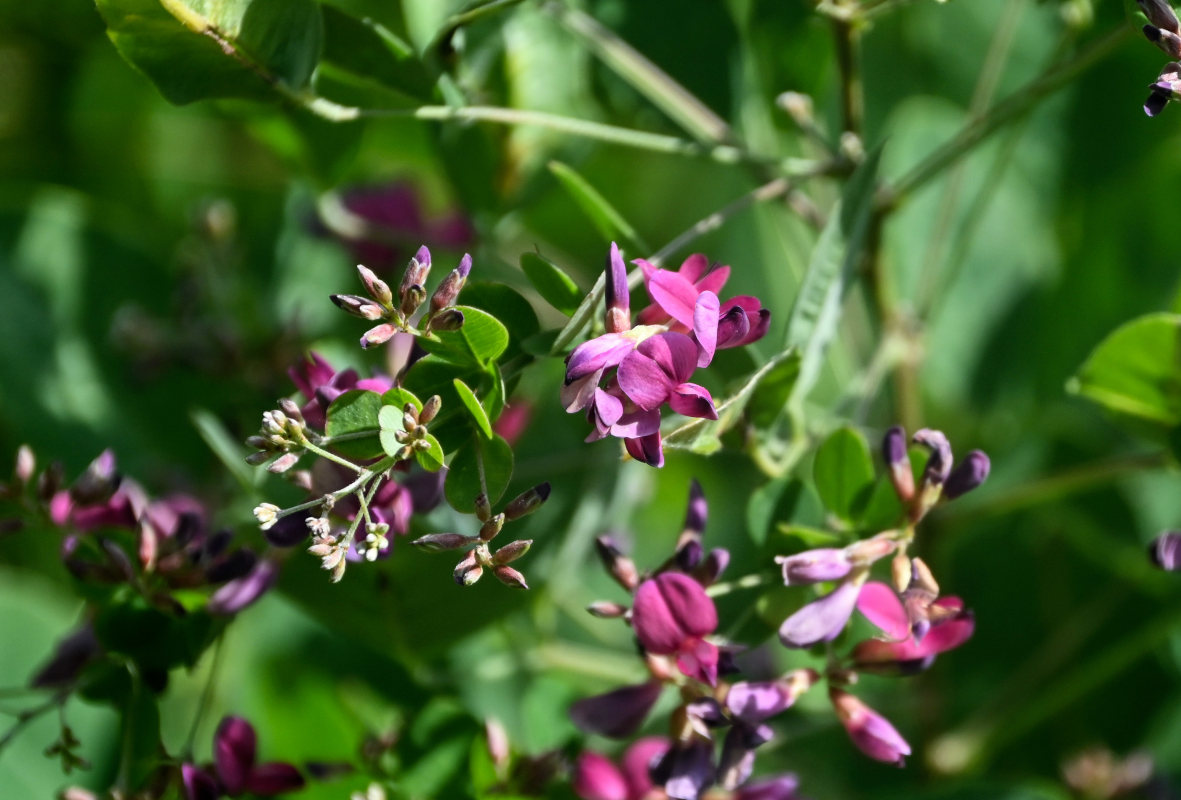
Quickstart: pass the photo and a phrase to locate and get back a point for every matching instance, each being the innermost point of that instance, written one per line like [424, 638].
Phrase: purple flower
[597, 778]
[870, 731]
[618, 713]
[235, 770]
[749, 705]
[1165, 551]
[686, 770]
[823, 620]
[320, 384]
[912, 654]
[241, 592]
[671, 615]
[814, 566]
[782, 787]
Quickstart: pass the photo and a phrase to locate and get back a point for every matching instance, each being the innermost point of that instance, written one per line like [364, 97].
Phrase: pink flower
[597, 778]
[870, 731]
[235, 770]
[823, 620]
[947, 630]
[671, 615]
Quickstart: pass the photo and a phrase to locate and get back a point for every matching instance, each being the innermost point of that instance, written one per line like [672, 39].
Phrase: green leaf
[354, 415]
[770, 396]
[481, 339]
[389, 420]
[817, 310]
[555, 286]
[609, 222]
[791, 538]
[372, 52]
[1136, 371]
[228, 450]
[702, 435]
[430, 459]
[509, 307]
[399, 397]
[843, 472]
[883, 510]
[139, 736]
[198, 49]
[463, 476]
[781, 500]
[472, 404]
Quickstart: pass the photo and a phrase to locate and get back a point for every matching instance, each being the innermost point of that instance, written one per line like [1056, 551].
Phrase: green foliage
[555, 286]
[482, 466]
[353, 416]
[843, 472]
[480, 341]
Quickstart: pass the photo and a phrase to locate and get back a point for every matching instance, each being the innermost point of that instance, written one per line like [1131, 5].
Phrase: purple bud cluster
[675, 623]
[1163, 30]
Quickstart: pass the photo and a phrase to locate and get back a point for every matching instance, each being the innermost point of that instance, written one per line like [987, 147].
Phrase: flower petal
[596, 778]
[234, 753]
[668, 610]
[240, 593]
[608, 408]
[821, 620]
[674, 294]
[814, 566]
[618, 713]
[275, 778]
[637, 424]
[646, 449]
[578, 394]
[692, 401]
[881, 606]
[674, 352]
[698, 659]
[783, 787]
[199, 784]
[643, 381]
[598, 353]
[870, 731]
[705, 327]
[637, 764]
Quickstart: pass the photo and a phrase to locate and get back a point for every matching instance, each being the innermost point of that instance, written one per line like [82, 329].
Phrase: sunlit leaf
[494, 457]
[555, 286]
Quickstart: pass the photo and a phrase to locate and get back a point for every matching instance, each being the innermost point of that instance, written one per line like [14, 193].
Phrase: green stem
[335, 459]
[1019, 103]
[206, 696]
[753, 581]
[457, 21]
[846, 32]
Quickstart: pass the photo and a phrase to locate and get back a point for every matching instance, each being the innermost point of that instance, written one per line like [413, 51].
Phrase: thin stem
[768, 191]
[362, 479]
[456, 21]
[978, 129]
[847, 34]
[335, 459]
[27, 716]
[753, 581]
[206, 696]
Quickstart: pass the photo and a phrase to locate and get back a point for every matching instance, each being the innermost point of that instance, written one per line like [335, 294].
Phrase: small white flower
[267, 515]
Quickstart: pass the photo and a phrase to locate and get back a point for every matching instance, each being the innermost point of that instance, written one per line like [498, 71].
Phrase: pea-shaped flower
[672, 614]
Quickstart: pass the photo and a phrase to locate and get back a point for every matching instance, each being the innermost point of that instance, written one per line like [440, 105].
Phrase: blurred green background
[157, 259]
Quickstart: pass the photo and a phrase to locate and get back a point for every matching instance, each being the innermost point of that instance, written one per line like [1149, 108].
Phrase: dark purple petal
[939, 464]
[705, 327]
[70, 657]
[881, 606]
[638, 424]
[733, 327]
[821, 620]
[199, 784]
[618, 713]
[814, 566]
[713, 566]
[783, 787]
[968, 474]
[644, 381]
[579, 393]
[234, 751]
[276, 778]
[757, 321]
[1156, 102]
[617, 299]
[697, 511]
[675, 353]
[689, 769]
[692, 401]
[310, 374]
[596, 778]
[233, 566]
[646, 449]
[1165, 551]
[238, 594]
[754, 702]
[287, 531]
[670, 609]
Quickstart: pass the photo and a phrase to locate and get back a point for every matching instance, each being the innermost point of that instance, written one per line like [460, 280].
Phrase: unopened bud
[894, 452]
[512, 551]
[605, 609]
[922, 579]
[291, 409]
[491, 527]
[358, 306]
[449, 319]
[468, 570]
[1165, 551]
[968, 474]
[283, 463]
[416, 270]
[621, 568]
[483, 507]
[448, 291]
[510, 577]
[378, 289]
[98, 482]
[939, 463]
[798, 106]
[616, 293]
[527, 502]
[26, 463]
[409, 416]
[429, 409]
[259, 457]
[498, 746]
[77, 793]
[900, 571]
[438, 542]
[867, 551]
[258, 442]
[712, 566]
[1160, 14]
[1166, 40]
[412, 298]
[378, 335]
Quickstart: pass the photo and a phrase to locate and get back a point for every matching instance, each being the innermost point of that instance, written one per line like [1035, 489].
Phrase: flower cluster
[402, 316]
[675, 623]
[915, 622]
[622, 378]
[235, 770]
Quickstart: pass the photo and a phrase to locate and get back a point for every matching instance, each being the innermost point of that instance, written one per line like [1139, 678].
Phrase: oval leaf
[463, 475]
[353, 415]
[481, 339]
[472, 404]
[555, 286]
[843, 472]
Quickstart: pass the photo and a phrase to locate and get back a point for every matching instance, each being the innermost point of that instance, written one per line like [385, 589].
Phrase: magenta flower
[597, 778]
[870, 731]
[1165, 551]
[671, 615]
[235, 770]
[914, 653]
[823, 620]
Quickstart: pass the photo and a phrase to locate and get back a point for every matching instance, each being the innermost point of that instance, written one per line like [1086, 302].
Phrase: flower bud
[798, 106]
[483, 507]
[511, 551]
[378, 289]
[254, 459]
[409, 417]
[438, 542]
[417, 270]
[605, 609]
[509, 577]
[621, 568]
[491, 527]
[1160, 14]
[898, 462]
[1165, 551]
[968, 474]
[449, 319]
[616, 295]
[378, 335]
[26, 463]
[870, 731]
[98, 482]
[468, 570]
[266, 514]
[449, 289]
[429, 409]
[50, 481]
[1166, 40]
[411, 299]
[283, 463]
[527, 502]
[358, 306]
[291, 409]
